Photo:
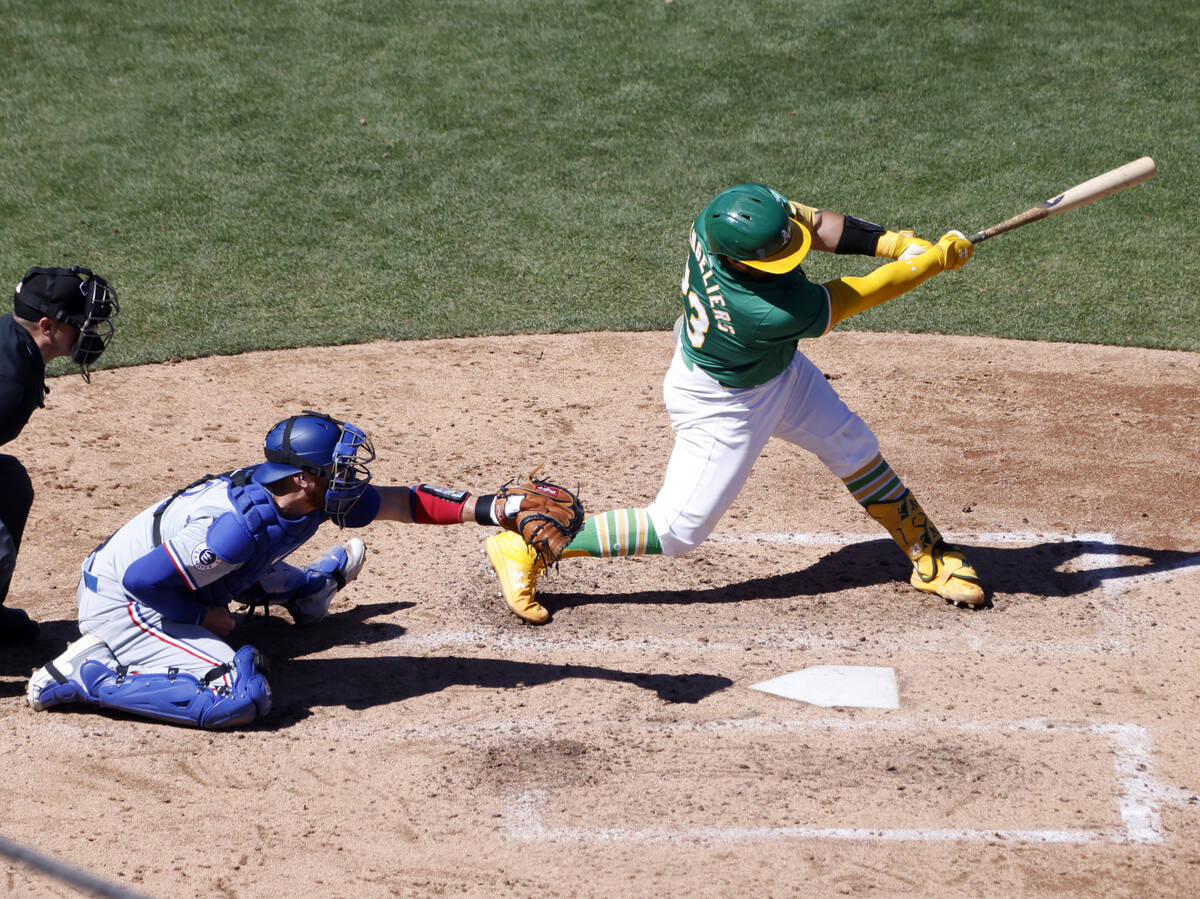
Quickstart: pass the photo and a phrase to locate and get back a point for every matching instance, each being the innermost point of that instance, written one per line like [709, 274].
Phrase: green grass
[279, 174]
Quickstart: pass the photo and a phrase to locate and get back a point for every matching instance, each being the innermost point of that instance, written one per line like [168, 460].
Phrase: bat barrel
[1080, 195]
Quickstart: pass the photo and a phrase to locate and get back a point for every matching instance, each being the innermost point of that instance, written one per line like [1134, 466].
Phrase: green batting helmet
[750, 223]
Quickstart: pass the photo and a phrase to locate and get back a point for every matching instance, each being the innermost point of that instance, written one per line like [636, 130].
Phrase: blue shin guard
[183, 698]
[323, 579]
[55, 693]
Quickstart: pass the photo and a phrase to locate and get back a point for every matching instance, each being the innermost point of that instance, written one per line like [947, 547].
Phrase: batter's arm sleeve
[850, 296]
[155, 581]
[835, 232]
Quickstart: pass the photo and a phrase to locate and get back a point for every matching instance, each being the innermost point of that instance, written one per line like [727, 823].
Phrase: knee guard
[184, 698]
[247, 698]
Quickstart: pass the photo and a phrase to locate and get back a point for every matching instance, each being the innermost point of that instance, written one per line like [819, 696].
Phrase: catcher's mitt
[546, 515]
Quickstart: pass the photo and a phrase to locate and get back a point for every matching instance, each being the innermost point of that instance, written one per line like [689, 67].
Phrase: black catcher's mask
[75, 296]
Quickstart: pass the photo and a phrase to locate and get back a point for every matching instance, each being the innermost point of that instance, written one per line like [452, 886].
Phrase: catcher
[154, 597]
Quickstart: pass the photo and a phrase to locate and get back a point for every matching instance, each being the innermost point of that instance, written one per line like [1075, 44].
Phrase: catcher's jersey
[744, 332]
[185, 526]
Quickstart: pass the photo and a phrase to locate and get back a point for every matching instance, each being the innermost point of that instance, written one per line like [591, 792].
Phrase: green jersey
[744, 332]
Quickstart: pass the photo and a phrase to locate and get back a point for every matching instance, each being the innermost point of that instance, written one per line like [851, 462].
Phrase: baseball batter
[154, 597]
[737, 379]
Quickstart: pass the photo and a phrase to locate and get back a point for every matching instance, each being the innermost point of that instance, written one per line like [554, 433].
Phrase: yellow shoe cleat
[518, 568]
[944, 570]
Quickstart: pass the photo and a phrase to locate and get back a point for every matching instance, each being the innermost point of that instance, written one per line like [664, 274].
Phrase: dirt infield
[425, 742]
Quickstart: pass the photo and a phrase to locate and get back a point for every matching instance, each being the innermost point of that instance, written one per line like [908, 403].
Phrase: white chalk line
[546, 643]
[1140, 795]
[526, 826]
[1138, 801]
[1097, 567]
[1114, 620]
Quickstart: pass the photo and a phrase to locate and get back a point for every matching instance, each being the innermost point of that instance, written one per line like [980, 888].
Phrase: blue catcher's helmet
[324, 447]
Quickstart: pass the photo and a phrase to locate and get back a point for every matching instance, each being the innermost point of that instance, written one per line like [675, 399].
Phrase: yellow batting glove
[852, 295]
[806, 214]
[901, 245]
[954, 249]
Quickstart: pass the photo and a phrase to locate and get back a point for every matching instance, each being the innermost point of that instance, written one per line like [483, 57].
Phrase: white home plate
[837, 685]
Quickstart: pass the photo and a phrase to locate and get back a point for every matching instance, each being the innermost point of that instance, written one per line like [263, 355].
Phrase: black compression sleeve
[859, 237]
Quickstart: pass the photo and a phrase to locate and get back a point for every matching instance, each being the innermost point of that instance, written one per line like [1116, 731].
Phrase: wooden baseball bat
[1080, 195]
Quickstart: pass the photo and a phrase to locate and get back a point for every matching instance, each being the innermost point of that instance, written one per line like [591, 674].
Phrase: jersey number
[698, 321]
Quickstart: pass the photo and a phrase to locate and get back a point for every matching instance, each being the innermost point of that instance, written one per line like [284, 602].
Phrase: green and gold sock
[621, 532]
[874, 483]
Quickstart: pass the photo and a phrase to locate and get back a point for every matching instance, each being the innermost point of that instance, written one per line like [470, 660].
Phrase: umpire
[56, 312]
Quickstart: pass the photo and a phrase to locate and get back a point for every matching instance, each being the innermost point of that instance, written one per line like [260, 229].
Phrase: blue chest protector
[255, 535]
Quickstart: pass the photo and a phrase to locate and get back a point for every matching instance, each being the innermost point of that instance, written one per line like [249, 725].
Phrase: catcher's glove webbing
[546, 515]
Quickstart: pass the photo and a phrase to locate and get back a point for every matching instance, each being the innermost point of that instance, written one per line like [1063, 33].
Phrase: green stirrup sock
[621, 532]
[874, 483]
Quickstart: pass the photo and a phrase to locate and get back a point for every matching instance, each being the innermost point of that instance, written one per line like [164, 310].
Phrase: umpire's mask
[77, 297]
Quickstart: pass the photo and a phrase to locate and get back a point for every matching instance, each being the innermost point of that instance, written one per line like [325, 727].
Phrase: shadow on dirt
[1057, 570]
[276, 636]
[361, 683]
[300, 683]
[1047, 570]
[20, 661]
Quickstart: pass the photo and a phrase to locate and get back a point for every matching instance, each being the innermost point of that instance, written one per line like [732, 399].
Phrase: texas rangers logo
[204, 558]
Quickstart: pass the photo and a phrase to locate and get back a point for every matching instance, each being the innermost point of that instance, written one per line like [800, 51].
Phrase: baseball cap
[56, 293]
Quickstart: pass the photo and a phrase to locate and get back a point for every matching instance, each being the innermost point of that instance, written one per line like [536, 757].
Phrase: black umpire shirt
[22, 378]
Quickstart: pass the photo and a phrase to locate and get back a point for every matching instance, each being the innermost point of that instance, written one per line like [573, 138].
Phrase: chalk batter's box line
[1097, 568]
[1113, 618]
[1138, 801]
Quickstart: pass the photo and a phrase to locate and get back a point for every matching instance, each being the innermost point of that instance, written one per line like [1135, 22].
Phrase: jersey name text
[712, 290]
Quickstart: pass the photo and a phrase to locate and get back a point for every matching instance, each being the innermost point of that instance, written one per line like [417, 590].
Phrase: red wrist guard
[436, 505]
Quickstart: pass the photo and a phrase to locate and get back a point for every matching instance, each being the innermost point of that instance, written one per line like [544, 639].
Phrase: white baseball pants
[141, 638]
[720, 432]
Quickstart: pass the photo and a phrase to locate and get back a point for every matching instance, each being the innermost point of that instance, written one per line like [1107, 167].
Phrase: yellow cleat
[518, 567]
[944, 570]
